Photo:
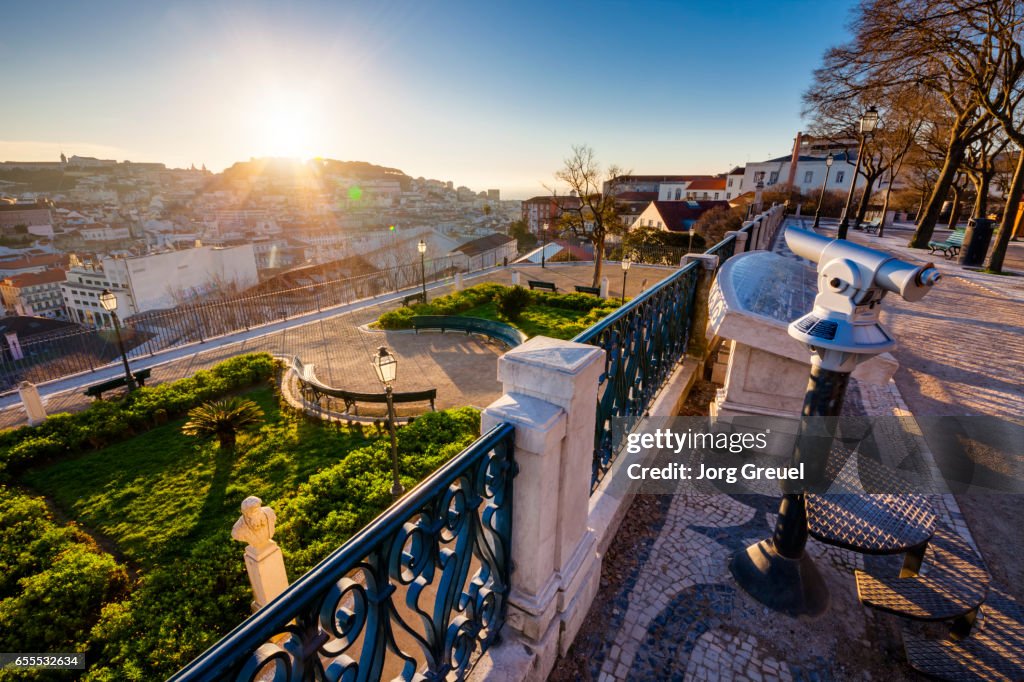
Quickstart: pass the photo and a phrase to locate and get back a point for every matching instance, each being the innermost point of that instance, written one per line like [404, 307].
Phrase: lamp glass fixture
[386, 366]
[829, 159]
[625, 264]
[869, 120]
[108, 300]
[422, 246]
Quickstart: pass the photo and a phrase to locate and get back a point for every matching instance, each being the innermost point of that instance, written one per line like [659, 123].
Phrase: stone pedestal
[604, 287]
[33, 403]
[516, 278]
[264, 561]
[754, 298]
[550, 390]
[459, 286]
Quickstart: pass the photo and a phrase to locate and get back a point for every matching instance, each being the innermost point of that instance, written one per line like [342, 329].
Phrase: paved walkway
[670, 610]
[462, 368]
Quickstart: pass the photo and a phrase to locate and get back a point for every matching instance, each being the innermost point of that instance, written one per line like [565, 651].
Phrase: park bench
[596, 291]
[414, 298]
[871, 227]
[951, 246]
[499, 331]
[538, 284]
[97, 390]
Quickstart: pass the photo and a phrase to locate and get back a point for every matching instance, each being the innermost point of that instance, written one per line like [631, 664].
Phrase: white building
[810, 174]
[156, 281]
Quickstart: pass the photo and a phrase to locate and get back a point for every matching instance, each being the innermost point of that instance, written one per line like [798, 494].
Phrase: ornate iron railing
[418, 593]
[724, 249]
[643, 342]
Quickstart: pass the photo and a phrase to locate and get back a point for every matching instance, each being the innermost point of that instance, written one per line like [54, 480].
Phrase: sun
[284, 124]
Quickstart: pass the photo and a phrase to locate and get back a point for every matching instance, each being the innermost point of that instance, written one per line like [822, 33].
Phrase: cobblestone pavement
[678, 614]
[462, 368]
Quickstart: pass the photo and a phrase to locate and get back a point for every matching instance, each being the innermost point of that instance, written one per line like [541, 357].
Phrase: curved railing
[422, 590]
[499, 331]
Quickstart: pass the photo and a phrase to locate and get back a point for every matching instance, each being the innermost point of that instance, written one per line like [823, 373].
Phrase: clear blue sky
[485, 94]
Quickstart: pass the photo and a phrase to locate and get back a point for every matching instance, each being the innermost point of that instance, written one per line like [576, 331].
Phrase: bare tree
[591, 215]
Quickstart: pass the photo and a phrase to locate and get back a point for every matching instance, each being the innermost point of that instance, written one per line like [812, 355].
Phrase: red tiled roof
[59, 259]
[678, 215]
[31, 279]
[707, 184]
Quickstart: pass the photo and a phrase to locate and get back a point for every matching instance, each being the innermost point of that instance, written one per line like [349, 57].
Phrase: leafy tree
[223, 419]
[521, 233]
[587, 212]
[713, 225]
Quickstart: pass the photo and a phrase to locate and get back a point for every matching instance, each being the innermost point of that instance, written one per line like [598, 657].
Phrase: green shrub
[511, 302]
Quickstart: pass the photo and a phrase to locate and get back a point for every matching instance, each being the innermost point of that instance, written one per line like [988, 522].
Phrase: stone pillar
[459, 286]
[604, 287]
[515, 278]
[32, 402]
[741, 241]
[263, 558]
[550, 394]
[698, 346]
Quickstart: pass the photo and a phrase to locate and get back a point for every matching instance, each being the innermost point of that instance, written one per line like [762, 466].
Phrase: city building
[486, 252]
[35, 294]
[675, 216]
[545, 209]
[156, 281]
[711, 189]
[20, 214]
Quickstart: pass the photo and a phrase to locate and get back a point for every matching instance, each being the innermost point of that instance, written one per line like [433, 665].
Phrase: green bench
[538, 284]
[97, 390]
[498, 331]
[871, 227]
[951, 246]
[596, 291]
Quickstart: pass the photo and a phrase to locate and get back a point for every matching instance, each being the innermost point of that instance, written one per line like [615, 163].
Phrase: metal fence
[82, 350]
[419, 593]
[644, 341]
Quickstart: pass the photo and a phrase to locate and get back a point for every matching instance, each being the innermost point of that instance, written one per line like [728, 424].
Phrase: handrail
[429, 538]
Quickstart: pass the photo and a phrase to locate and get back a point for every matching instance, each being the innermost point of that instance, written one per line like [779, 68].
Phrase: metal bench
[954, 585]
[950, 247]
[596, 291]
[97, 390]
[538, 284]
[313, 391]
[498, 331]
[871, 227]
[414, 298]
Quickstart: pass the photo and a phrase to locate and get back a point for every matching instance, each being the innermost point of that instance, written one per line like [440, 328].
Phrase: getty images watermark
[769, 455]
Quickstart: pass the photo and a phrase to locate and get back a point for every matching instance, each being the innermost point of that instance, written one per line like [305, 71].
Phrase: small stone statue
[256, 524]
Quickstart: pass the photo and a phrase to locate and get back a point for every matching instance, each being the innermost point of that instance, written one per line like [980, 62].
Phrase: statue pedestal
[267, 575]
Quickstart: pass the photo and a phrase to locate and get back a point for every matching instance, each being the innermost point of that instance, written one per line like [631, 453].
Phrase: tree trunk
[920, 206]
[954, 210]
[599, 259]
[1013, 198]
[227, 439]
[885, 210]
[926, 223]
[981, 201]
[865, 199]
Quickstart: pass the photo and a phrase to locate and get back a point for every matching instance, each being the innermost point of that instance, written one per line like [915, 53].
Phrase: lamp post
[625, 270]
[867, 125]
[422, 246]
[386, 366]
[544, 243]
[109, 302]
[828, 168]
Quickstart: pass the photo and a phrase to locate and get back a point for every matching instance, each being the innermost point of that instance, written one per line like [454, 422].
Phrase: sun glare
[284, 124]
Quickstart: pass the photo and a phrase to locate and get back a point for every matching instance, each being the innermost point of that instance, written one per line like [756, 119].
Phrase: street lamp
[386, 366]
[625, 270]
[109, 302]
[422, 246]
[867, 125]
[828, 168]
[544, 243]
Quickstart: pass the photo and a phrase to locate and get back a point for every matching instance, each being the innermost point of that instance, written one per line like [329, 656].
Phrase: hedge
[108, 421]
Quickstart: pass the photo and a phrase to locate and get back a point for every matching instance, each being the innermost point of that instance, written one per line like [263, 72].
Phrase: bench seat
[951, 246]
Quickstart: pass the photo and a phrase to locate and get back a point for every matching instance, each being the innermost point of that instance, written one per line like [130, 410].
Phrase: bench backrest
[535, 284]
[957, 238]
[596, 291]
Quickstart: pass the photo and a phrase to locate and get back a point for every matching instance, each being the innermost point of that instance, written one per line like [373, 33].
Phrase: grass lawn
[156, 492]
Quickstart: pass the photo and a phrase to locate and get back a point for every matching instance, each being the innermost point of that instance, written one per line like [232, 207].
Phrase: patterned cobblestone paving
[680, 615]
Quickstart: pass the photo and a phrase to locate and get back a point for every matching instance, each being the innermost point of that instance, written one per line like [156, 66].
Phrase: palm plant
[223, 419]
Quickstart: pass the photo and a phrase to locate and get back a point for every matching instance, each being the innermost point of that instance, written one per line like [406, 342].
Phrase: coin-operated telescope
[843, 328]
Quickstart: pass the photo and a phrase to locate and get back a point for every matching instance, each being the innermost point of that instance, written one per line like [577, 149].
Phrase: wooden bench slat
[540, 284]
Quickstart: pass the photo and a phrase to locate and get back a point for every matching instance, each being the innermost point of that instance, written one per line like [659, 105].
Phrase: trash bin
[977, 237]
